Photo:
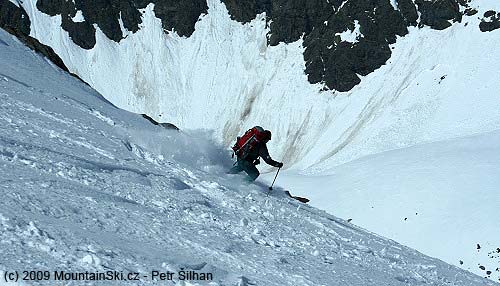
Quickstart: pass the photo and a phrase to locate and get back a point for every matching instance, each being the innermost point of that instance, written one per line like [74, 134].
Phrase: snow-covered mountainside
[220, 74]
[88, 187]
[336, 81]
[440, 198]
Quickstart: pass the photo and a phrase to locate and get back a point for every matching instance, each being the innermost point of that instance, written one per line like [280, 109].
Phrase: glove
[279, 165]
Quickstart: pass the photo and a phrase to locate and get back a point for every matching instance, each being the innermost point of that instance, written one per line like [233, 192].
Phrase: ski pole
[271, 187]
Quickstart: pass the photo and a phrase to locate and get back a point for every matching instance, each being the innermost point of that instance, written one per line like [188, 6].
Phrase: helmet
[267, 134]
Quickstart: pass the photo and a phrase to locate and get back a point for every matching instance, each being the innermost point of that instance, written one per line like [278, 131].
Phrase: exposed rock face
[490, 22]
[178, 15]
[14, 20]
[437, 14]
[470, 11]
[343, 39]
[164, 125]
[329, 59]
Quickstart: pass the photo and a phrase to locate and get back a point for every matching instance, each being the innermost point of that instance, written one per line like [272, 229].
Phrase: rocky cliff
[343, 40]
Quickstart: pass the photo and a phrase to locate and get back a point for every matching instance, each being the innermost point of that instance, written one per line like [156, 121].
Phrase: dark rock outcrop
[470, 11]
[164, 125]
[180, 16]
[438, 14]
[490, 22]
[329, 60]
[409, 11]
[489, 14]
[335, 63]
[14, 20]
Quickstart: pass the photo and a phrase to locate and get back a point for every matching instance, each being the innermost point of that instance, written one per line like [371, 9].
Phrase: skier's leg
[251, 170]
[235, 169]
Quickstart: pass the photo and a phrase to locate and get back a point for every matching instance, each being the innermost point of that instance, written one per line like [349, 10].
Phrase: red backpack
[246, 143]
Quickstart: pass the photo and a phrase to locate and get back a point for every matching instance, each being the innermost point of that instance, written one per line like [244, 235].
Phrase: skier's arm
[264, 154]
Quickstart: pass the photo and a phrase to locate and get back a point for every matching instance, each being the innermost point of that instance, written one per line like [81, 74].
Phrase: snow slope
[437, 86]
[88, 187]
[225, 78]
[440, 198]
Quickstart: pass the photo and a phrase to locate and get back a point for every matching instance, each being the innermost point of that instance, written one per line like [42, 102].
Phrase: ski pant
[248, 167]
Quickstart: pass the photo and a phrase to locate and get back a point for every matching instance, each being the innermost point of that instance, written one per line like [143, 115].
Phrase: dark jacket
[261, 151]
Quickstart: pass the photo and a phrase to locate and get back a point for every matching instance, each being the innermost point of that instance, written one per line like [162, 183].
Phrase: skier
[249, 148]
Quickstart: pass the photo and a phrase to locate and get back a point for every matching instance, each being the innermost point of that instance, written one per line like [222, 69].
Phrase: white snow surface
[438, 87]
[440, 198]
[351, 36]
[394, 4]
[78, 17]
[88, 187]
[225, 78]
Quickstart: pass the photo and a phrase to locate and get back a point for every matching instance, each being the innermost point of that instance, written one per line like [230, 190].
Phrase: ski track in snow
[88, 187]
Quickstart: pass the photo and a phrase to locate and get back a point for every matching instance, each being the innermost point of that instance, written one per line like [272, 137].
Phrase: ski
[300, 199]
